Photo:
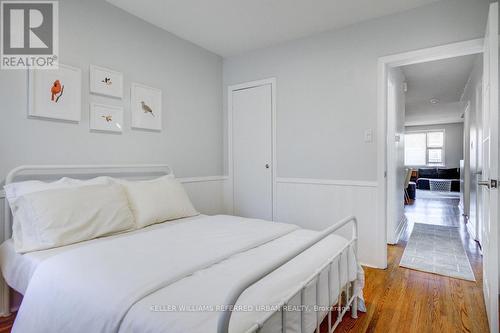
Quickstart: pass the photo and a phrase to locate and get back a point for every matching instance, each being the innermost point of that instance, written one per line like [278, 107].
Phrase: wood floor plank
[403, 300]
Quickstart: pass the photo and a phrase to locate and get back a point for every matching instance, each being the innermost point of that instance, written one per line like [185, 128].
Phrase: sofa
[426, 175]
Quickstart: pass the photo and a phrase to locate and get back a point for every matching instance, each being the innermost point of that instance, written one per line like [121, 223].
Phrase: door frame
[474, 46]
[246, 85]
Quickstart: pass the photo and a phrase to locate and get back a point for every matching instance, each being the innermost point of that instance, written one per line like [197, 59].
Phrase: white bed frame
[352, 301]
[148, 171]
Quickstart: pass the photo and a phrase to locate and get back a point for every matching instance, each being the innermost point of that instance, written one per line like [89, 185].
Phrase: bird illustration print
[146, 108]
[56, 90]
[107, 81]
[108, 118]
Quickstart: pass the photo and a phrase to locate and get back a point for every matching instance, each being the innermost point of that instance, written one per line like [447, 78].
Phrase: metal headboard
[53, 172]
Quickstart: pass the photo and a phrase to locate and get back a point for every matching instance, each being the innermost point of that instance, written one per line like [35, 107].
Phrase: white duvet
[173, 278]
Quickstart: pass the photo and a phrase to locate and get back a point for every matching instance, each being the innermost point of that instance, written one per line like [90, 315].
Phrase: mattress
[172, 277]
[17, 269]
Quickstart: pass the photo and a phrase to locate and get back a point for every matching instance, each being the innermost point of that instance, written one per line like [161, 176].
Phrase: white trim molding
[338, 182]
[202, 179]
[473, 46]
[470, 228]
[403, 223]
[456, 120]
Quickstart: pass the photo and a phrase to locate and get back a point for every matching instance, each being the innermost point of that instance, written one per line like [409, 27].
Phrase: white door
[477, 176]
[252, 152]
[489, 177]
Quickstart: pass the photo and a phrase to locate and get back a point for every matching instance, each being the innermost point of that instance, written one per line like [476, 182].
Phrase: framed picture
[107, 118]
[145, 105]
[55, 93]
[107, 82]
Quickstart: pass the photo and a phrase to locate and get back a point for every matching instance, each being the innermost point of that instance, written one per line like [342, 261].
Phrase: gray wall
[327, 84]
[95, 32]
[453, 141]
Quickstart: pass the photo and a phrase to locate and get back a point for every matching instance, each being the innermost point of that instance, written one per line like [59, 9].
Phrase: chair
[406, 183]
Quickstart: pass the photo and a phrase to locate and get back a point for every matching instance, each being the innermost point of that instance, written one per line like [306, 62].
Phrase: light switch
[369, 135]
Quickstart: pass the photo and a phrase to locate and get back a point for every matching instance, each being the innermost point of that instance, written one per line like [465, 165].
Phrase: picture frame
[55, 94]
[106, 82]
[146, 107]
[106, 118]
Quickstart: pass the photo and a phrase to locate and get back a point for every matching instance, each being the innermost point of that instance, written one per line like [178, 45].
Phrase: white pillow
[159, 200]
[18, 189]
[57, 217]
[15, 190]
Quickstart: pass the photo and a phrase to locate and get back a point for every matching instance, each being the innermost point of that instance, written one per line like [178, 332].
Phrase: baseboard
[400, 229]
[394, 238]
[370, 266]
[471, 232]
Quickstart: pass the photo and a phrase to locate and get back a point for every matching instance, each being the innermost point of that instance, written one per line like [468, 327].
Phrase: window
[424, 148]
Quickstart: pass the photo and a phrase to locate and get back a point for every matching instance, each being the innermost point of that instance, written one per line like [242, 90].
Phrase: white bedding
[131, 282]
[18, 268]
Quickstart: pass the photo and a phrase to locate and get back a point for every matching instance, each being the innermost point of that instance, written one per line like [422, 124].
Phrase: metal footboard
[351, 300]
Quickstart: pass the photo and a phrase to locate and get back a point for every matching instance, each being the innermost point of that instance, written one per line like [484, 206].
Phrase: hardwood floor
[404, 300]
[6, 323]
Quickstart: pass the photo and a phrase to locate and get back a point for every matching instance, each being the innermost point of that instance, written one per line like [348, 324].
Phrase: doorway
[437, 121]
[392, 126]
[387, 175]
[251, 143]
[432, 103]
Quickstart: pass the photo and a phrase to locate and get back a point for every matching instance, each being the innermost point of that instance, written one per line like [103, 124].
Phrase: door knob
[484, 183]
[267, 166]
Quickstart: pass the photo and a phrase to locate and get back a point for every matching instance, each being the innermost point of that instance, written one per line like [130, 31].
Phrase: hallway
[442, 211]
[404, 300]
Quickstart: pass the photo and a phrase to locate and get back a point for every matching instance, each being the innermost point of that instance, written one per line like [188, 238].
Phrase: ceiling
[441, 79]
[229, 27]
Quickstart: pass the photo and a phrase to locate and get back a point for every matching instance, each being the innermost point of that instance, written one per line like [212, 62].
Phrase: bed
[196, 274]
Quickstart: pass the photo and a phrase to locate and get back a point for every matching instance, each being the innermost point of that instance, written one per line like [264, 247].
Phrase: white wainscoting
[319, 203]
[206, 193]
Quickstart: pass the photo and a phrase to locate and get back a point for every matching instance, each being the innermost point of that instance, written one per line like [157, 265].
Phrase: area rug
[437, 249]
